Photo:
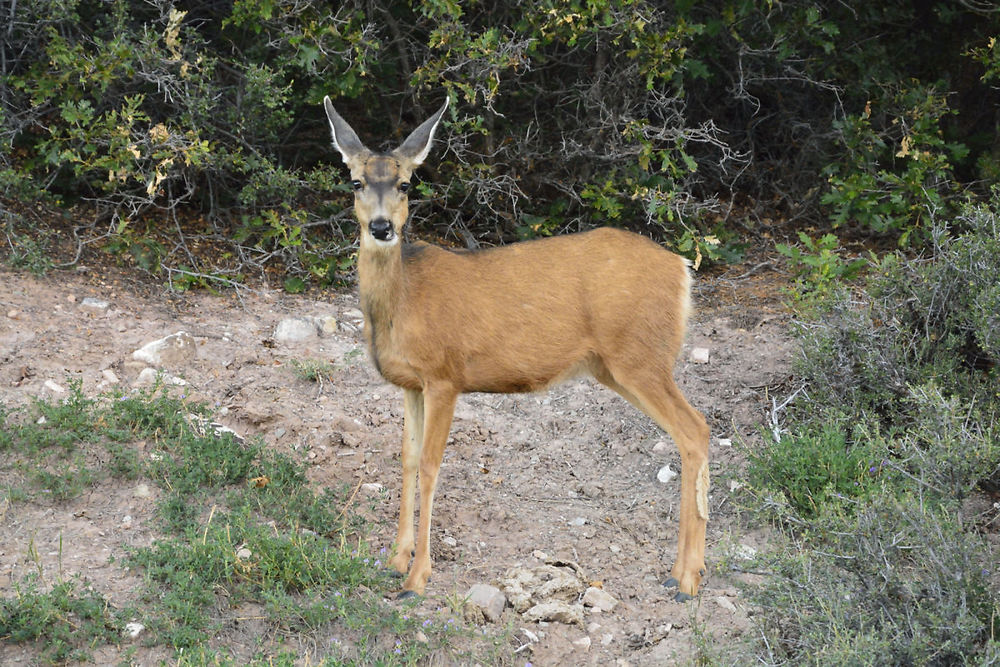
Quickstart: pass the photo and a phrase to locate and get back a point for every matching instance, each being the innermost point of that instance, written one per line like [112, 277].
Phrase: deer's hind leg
[658, 396]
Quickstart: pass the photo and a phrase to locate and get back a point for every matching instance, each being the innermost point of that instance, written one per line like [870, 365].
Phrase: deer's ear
[416, 147]
[345, 139]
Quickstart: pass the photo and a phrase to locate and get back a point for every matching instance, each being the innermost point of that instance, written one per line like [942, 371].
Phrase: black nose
[381, 229]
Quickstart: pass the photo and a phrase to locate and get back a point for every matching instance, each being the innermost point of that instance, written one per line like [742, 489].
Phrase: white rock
[109, 376]
[745, 552]
[489, 599]
[420, 637]
[295, 329]
[171, 350]
[725, 603]
[555, 611]
[699, 355]
[582, 643]
[372, 488]
[54, 387]
[133, 630]
[94, 304]
[661, 446]
[243, 553]
[327, 325]
[665, 474]
[449, 540]
[578, 521]
[149, 376]
[725, 442]
[13, 314]
[607, 639]
[354, 314]
[599, 599]
[142, 491]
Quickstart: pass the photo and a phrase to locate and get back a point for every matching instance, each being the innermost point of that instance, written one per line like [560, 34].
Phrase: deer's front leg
[413, 438]
[439, 406]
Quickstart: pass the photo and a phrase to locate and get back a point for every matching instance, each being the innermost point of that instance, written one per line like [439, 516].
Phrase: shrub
[898, 582]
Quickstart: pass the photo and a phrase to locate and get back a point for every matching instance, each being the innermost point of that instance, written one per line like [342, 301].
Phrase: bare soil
[519, 474]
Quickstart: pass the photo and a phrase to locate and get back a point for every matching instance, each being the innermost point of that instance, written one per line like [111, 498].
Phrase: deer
[515, 318]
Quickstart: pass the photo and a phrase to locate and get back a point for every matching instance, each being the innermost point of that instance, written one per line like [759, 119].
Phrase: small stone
[13, 314]
[615, 549]
[171, 350]
[109, 376]
[607, 639]
[578, 521]
[354, 314]
[372, 488]
[699, 355]
[725, 603]
[745, 552]
[327, 325]
[243, 553]
[582, 643]
[540, 555]
[661, 446]
[665, 475]
[95, 304]
[133, 630]
[54, 387]
[599, 599]
[420, 637]
[555, 611]
[142, 491]
[489, 599]
[150, 376]
[295, 329]
[725, 442]
[449, 540]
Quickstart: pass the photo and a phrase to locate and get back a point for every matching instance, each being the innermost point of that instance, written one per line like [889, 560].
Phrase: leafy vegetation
[684, 122]
[872, 481]
[238, 526]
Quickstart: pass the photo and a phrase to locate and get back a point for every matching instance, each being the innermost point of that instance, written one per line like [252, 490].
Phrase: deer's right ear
[345, 139]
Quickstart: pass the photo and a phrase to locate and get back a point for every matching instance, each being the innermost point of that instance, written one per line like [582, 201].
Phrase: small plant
[816, 466]
[67, 620]
[818, 266]
[313, 370]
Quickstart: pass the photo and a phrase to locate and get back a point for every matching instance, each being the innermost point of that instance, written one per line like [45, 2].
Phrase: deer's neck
[380, 282]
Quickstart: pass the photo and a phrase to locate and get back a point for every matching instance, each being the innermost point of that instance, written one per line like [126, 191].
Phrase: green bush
[896, 582]
[815, 466]
[870, 480]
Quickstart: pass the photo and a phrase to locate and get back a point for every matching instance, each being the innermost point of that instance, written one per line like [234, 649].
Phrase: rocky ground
[575, 475]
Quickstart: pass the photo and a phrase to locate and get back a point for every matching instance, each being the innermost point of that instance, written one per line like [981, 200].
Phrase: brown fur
[513, 319]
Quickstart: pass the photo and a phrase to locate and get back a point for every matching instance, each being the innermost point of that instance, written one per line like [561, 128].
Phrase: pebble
[665, 474]
[699, 355]
[489, 599]
[599, 599]
[54, 387]
[142, 491]
[13, 314]
[174, 349]
[133, 630]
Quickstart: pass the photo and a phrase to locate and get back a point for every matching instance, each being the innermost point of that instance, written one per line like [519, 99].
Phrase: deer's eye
[404, 186]
[357, 185]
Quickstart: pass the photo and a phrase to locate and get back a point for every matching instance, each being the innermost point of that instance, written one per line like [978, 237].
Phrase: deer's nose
[381, 229]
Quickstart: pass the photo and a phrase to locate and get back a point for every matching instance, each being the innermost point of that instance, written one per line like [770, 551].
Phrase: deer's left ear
[345, 139]
[418, 144]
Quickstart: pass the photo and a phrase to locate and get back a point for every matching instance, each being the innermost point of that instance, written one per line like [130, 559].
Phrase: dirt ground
[571, 473]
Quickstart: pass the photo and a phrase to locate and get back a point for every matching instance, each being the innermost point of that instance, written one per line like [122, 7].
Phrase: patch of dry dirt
[519, 473]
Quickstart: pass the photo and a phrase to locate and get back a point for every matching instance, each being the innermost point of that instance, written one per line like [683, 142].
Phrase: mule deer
[517, 318]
